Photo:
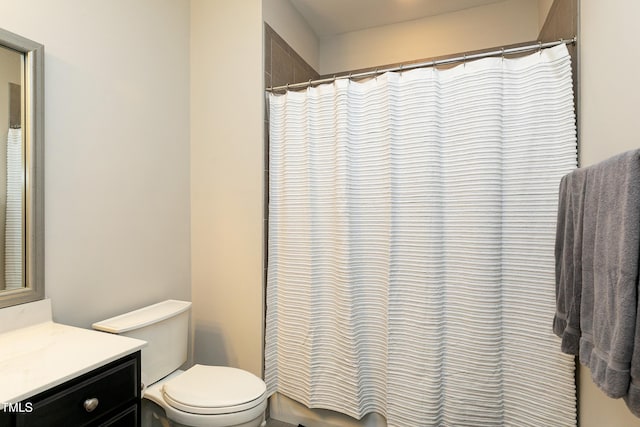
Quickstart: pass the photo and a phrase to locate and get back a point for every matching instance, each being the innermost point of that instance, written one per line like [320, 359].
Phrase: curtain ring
[334, 79]
[287, 87]
[503, 54]
[464, 60]
[401, 65]
[376, 72]
[540, 47]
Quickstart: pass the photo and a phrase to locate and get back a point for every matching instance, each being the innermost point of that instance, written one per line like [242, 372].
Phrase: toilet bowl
[237, 398]
[201, 396]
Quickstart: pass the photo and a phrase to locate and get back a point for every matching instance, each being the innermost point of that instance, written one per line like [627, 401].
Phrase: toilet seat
[214, 390]
[249, 417]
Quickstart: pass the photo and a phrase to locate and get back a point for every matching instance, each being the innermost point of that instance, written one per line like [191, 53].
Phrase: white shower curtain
[411, 242]
[14, 225]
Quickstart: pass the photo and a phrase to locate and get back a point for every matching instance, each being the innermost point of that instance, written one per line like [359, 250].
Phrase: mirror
[21, 170]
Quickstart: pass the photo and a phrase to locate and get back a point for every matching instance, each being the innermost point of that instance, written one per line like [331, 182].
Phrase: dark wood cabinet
[107, 396]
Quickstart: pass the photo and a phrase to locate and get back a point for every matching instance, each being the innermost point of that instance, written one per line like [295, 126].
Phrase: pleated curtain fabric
[411, 244]
[14, 224]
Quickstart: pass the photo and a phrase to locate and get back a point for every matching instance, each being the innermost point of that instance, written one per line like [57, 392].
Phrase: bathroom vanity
[59, 375]
[107, 396]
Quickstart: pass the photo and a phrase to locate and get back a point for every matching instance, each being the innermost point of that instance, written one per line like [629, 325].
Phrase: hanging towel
[568, 252]
[610, 250]
[632, 399]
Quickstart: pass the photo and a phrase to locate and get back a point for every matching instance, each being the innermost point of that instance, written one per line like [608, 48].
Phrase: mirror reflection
[11, 170]
[21, 169]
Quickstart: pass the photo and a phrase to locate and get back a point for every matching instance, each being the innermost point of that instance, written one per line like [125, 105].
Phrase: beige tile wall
[282, 64]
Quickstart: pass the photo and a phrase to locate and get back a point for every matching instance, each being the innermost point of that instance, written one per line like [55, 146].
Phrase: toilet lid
[214, 390]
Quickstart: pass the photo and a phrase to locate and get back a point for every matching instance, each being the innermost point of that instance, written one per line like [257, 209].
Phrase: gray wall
[116, 151]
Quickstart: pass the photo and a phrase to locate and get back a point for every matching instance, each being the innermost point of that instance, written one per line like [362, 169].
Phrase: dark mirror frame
[33, 130]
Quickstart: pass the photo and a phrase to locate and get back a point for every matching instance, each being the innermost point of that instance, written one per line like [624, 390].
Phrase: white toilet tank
[165, 328]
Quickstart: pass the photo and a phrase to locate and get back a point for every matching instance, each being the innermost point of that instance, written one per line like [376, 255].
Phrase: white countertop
[39, 356]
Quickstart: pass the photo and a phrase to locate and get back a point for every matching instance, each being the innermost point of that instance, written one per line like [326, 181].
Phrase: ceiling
[329, 17]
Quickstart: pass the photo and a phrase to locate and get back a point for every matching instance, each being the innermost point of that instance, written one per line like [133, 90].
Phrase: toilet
[201, 396]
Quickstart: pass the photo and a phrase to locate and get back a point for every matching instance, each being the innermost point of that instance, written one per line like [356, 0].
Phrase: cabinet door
[5, 419]
[128, 418]
[88, 399]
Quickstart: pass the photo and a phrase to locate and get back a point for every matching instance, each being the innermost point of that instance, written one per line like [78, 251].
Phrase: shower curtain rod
[464, 58]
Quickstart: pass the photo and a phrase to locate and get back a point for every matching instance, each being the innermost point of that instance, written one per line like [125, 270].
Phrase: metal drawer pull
[91, 404]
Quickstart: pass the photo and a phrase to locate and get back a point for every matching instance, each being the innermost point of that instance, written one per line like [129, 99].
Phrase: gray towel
[568, 253]
[609, 300]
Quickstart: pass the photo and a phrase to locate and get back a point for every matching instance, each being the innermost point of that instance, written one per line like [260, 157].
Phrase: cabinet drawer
[108, 389]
